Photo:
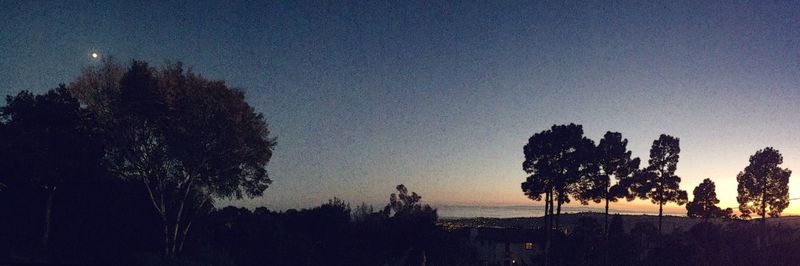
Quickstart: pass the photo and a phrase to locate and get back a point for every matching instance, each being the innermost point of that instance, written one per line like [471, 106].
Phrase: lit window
[529, 246]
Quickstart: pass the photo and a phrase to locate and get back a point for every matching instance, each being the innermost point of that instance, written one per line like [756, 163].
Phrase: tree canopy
[611, 161]
[50, 137]
[658, 181]
[556, 160]
[189, 140]
[47, 142]
[764, 186]
[704, 203]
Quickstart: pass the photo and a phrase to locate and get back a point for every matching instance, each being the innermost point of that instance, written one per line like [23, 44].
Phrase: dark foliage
[556, 160]
[47, 144]
[106, 220]
[730, 242]
[95, 220]
[658, 181]
[330, 235]
[763, 185]
[611, 173]
[704, 203]
[187, 140]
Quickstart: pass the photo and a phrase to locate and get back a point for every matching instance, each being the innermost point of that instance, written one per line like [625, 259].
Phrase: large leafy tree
[187, 139]
[47, 142]
[658, 181]
[704, 203]
[612, 175]
[555, 159]
[763, 185]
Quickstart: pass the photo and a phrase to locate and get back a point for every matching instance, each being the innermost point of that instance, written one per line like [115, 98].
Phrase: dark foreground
[680, 223]
[632, 240]
[336, 234]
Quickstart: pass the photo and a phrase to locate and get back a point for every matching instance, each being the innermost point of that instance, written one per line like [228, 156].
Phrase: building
[505, 246]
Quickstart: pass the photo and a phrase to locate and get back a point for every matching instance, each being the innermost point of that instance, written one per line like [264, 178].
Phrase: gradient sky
[441, 97]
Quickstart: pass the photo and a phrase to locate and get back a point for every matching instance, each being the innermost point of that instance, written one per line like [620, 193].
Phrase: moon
[95, 55]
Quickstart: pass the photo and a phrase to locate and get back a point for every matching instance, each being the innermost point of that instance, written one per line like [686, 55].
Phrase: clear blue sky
[442, 96]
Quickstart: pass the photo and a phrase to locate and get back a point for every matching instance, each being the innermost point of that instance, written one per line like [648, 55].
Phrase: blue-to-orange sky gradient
[441, 96]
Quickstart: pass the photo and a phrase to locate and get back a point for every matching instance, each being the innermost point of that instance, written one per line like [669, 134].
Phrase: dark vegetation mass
[125, 165]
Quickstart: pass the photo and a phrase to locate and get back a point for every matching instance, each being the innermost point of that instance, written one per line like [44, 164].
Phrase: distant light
[95, 55]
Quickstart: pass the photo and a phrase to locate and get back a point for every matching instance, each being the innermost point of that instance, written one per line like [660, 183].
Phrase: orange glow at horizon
[495, 195]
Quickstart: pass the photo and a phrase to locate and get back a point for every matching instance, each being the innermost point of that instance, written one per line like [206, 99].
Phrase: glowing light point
[95, 55]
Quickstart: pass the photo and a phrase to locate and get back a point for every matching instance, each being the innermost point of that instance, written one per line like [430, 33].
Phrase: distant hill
[568, 220]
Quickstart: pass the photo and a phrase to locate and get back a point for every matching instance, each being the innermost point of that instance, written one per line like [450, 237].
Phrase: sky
[442, 96]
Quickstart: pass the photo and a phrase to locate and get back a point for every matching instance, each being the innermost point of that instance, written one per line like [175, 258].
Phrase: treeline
[403, 233]
[564, 165]
[110, 222]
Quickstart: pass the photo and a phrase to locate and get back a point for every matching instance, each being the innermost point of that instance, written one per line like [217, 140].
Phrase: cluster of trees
[704, 203]
[182, 139]
[563, 164]
[403, 233]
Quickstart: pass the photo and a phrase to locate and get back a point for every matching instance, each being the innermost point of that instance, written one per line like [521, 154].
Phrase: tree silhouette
[47, 142]
[763, 184]
[401, 202]
[658, 181]
[611, 158]
[556, 160]
[403, 205]
[412, 223]
[188, 140]
[704, 203]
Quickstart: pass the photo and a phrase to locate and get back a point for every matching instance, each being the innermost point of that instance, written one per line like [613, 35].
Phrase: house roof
[511, 235]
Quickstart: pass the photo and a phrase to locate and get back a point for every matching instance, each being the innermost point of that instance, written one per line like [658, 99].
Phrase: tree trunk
[183, 237]
[546, 210]
[605, 250]
[763, 233]
[188, 225]
[764, 206]
[166, 235]
[179, 217]
[606, 226]
[558, 211]
[48, 209]
[175, 231]
[161, 210]
[660, 215]
[548, 228]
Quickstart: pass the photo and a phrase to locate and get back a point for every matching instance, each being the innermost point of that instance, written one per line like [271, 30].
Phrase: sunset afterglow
[446, 96]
